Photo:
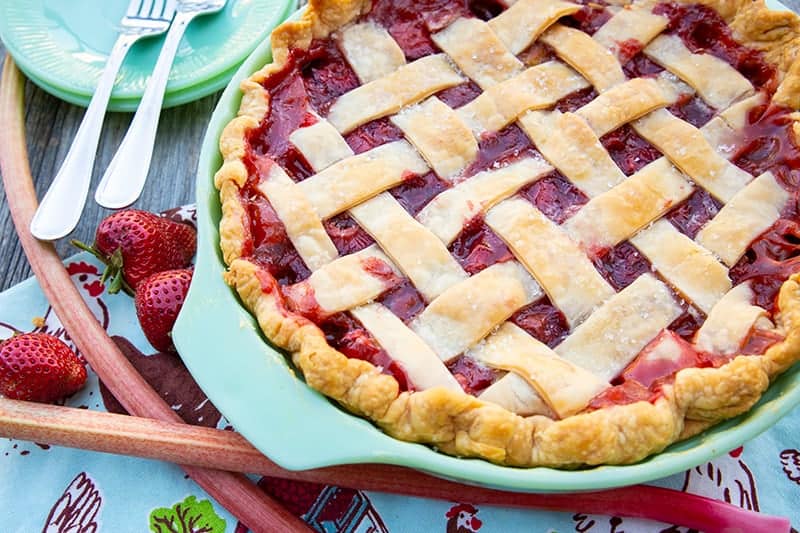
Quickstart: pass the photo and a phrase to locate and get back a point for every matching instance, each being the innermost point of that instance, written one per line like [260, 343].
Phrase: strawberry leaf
[113, 270]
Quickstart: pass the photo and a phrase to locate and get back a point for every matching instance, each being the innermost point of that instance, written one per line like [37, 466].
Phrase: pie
[541, 233]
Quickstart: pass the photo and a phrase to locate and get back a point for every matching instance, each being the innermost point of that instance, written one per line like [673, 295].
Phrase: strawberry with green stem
[136, 244]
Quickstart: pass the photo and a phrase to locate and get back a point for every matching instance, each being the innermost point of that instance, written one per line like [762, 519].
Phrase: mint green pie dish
[259, 392]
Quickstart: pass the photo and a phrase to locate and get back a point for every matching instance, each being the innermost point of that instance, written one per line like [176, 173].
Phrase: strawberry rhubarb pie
[536, 232]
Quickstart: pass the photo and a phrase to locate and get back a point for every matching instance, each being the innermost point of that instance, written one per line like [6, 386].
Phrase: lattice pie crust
[468, 313]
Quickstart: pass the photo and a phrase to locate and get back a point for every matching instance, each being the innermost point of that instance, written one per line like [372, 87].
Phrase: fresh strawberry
[40, 368]
[136, 244]
[158, 301]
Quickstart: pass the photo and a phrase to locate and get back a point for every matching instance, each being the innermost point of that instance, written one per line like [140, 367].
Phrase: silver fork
[61, 207]
[124, 178]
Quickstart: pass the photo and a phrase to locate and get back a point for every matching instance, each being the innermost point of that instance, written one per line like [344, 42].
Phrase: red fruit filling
[640, 66]
[411, 22]
[404, 300]
[654, 367]
[497, 149]
[347, 335]
[372, 134]
[687, 324]
[471, 375]
[590, 17]
[692, 109]
[576, 100]
[326, 74]
[628, 49]
[621, 265]
[478, 247]
[759, 341]
[626, 392]
[415, 193]
[346, 234]
[704, 31]
[315, 78]
[629, 151]
[554, 196]
[267, 244]
[691, 215]
[542, 320]
[459, 95]
[769, 145]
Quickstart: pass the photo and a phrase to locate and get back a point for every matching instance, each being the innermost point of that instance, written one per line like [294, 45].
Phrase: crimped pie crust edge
[463, 425]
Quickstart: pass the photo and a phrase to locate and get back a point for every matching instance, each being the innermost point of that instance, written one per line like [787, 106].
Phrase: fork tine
[170, 7]
[60, 208]
[144, 9]
[119, 187]
[157, 11]
[133, 8]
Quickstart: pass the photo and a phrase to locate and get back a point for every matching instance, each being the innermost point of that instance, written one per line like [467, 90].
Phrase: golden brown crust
[319, 20]
[714, 394]
[775, 33]
[463, 425]
[460, 424]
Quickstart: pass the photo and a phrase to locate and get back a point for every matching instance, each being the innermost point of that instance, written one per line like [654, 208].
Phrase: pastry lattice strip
[485, 53]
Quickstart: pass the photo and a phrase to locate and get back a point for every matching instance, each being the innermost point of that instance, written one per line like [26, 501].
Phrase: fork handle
[124, 178]
[61, 207]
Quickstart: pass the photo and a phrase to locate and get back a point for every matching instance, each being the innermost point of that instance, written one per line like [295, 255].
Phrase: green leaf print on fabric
[188, 516]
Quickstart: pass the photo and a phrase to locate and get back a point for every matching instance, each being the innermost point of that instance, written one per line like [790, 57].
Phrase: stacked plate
[63, 46]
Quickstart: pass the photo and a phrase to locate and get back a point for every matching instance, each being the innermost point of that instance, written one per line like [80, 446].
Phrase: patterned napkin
[59, 490]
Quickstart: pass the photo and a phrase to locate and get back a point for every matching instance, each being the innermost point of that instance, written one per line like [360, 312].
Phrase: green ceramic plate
[255, 388]
[62, 46]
